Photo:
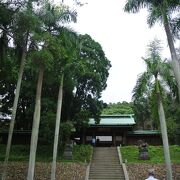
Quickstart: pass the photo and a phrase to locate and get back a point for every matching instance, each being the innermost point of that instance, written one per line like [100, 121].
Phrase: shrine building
[115, 130]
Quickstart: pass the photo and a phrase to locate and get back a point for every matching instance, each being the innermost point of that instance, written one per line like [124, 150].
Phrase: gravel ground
[65, 171]
[76, 171]
[140, 171]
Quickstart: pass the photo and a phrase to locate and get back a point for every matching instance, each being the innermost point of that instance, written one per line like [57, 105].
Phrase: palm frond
[175, 26]
[54, 16]
[154, 48]
[173, 5]
[134, 6]
[154, 16]
[141, 86]
[68, 16]
[168, 78]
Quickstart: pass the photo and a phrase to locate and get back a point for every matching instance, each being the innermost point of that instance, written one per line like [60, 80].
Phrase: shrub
[82, 153]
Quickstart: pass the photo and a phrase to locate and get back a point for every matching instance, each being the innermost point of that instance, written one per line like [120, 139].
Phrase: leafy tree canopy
[118, 108]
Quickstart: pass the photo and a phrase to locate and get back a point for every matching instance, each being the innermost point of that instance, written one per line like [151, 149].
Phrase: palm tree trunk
[15, 103]
[174, 57]
[56, 136]
[164, 133]
[35, 128]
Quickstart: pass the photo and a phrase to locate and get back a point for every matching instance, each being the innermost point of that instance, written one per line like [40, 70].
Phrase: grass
[44, 153]
[21, 153]
[83, 154]
[130, 153]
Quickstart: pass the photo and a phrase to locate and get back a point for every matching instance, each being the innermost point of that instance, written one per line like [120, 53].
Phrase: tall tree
[64, 59]
[90, 77]
[21, 26]
[152, 77]
[160, 11]
[51, 17]
[118, 108]
[142, 111]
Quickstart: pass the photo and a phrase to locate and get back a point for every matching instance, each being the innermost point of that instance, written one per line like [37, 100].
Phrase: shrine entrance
[111, 130]
[105, 137]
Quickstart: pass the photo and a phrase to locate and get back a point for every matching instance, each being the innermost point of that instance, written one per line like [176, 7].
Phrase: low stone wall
[65, 171]
[140, 171]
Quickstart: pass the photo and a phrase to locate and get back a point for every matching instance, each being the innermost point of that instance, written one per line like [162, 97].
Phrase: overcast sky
[124, 38]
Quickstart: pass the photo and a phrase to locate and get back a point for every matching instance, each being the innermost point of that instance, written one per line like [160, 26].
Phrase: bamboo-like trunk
[56, 136]
[174, 57]
[15, 103]
[164, 133]
[35, 128]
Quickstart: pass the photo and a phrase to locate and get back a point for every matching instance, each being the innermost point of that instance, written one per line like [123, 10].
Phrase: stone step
[119, 178]
[106, 177]
[107, 169]
[102, 175]
[104, 169]
[105, 161]
[104, 155]
[105, 164]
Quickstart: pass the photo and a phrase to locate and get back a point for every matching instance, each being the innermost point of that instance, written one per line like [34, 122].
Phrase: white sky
[124, 38]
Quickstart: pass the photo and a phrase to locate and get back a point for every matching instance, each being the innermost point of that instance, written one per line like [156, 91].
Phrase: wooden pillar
[83, 136]
[124, 138]
[114, 138]
[94, 134]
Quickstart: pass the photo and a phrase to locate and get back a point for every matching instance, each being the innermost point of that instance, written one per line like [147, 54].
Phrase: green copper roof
[115, 120]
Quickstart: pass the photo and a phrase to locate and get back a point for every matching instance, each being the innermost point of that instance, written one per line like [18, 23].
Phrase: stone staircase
[105, 164]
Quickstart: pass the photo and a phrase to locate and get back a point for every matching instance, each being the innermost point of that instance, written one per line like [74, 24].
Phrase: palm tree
[56, 136]
[22, 42]
[68, 44]
[152, 79]
[51, 17]
[36, 120]
[160, 11]
[15, 103]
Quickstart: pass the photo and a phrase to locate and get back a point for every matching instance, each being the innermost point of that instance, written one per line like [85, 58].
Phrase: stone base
[68, 152]
[144, 155]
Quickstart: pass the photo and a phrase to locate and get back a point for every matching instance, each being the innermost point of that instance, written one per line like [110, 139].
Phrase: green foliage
[155, 80]
[67, 128]
[172, 109]
[82, 118]
[171, 128]
[21, 153]
[130, 153]
[47, 126]
[43, 57]
[82, 153]
[159, 11]
[118, 108]
[39, 33]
